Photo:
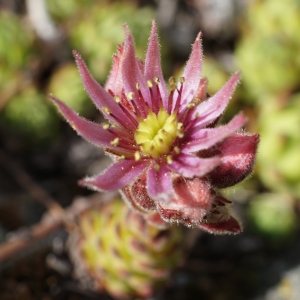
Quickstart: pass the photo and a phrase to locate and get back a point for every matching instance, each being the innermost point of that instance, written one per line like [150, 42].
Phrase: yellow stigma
[156, 134]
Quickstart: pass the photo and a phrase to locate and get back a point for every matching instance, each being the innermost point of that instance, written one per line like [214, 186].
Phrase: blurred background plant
[259, 37]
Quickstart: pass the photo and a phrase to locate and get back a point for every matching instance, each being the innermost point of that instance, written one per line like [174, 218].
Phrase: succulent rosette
[169, 156]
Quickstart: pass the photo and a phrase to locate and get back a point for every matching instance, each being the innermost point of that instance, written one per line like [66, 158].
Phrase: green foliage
[66, 84]
[269, 65]
[97, 34]
[215, 73]
[279, 160]
[16, 41]
[273, 216]
[268, 51]
[17, 53]
[29, 114]
[62, 10]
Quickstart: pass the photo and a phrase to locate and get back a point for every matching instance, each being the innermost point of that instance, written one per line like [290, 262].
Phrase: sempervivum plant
[169, 156]
[125, 261]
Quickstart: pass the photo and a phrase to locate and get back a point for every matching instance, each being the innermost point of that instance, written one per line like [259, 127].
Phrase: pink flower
[169, 158]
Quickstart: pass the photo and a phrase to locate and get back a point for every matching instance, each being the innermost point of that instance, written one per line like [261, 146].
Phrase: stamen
[137, 86]
[115, 142]
[157, 102]
[169, 159]
[137, 155]
[130, 96]
[106, 110]
[170, 102]
[176, 108]
[172, 80]
[182, 80]
[125, 136]
[137, 111]
[173, 87]
[120, 153]
[191, 105]
[128, 114]
[177, 149]
[117, 99]
[143, 105]
[190, 109]
[105, 126]
[149, 83]
[190, 124]
[111, 92]
[153, 102]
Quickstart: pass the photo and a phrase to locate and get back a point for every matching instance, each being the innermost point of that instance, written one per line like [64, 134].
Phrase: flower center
[156, 134]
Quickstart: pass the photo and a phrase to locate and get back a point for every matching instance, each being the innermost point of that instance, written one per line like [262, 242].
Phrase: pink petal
[159, 184]
[93, 133]
[211, 109]
[114, 81]
[137, 194]
[153, 67]
[155, 220]
[230, 226]
[101, 98]
[189, 165]
[208, 137]
[237, 154]
[219, 220]
[116, 176]
[192, 74]
[132, 76]
[191, 201]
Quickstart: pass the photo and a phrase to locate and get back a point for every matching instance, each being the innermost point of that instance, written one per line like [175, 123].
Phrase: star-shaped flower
[169, 155]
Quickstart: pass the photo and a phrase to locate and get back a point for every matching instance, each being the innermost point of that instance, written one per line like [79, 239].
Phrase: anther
[172, 80]
[176, 149]
[197, 100]
[130, 95]
[115, 142]
[137, 155]
[122, 157]
[173, 87]
[105, 126]
[182, 80]
[156, 167]
[169, 159]
[179, 125]
[179, 134]
[117, 99]
[106, 110]
[191, 105]
[156, 80]
[137, 86]
[149, 83]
